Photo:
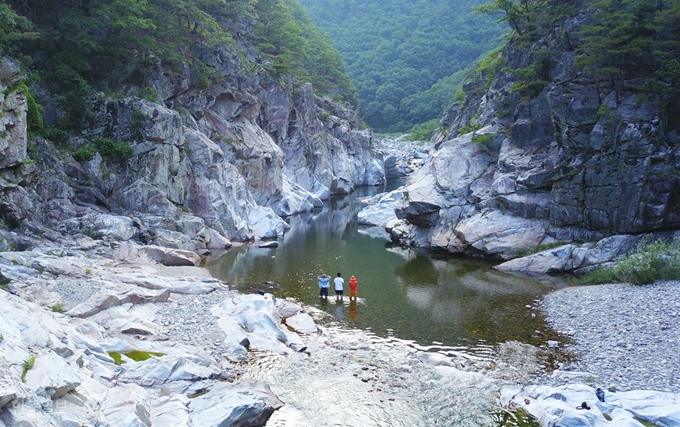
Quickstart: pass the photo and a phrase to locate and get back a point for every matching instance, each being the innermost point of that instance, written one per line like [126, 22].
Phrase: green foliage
[150, 94]
[631, 38]
[424, 131]
[482, 140]
[321, 63]
[470, 127]
[650, 262]
[28, 365]
[530, 19]
[114, 151]
[85, 153]
[485, 70]
[14, 28]
[34, 111]
[109, 45]
[517, 418]
[57, 308]
[58, 136]
[406, 58]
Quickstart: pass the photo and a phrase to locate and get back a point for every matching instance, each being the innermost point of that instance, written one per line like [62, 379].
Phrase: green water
[404, 293]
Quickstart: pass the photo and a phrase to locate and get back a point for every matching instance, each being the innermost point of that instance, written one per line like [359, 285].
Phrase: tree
[14, 28]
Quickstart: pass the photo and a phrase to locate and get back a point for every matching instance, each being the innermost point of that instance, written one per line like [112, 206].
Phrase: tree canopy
[405, 57]
[79, 45]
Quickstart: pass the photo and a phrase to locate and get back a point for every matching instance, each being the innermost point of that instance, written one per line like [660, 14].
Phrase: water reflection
[414, 295]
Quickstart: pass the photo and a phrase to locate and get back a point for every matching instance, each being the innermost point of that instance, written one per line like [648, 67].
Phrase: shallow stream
[412, 306]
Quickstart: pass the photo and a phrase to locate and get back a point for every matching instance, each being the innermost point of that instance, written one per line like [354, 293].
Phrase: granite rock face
[207, 166]
[568, 163]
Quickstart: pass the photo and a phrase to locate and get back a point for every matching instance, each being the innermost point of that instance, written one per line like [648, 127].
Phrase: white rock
[554, 406]
[302, 323]
[52, 377]
[127, 406]
[171, 257]
[245, 403]
[157, 371]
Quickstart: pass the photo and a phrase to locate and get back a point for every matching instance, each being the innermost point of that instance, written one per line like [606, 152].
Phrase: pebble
[624, 335]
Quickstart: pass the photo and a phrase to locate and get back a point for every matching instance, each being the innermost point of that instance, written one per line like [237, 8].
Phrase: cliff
[569, 157]
[205, 166]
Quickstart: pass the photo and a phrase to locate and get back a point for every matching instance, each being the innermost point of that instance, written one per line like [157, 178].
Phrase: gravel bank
[626, 337]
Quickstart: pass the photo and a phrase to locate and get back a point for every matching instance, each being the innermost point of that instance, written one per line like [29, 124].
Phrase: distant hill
[407, 58]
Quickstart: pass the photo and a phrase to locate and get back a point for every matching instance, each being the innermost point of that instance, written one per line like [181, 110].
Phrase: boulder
[302, 323]
[500, 235]
[247, 403]
[256, 318]
[563, 406]
[171, 257]
[379, 210]
[120, 228]
[127, 405]
[51, 376]
[157, 371]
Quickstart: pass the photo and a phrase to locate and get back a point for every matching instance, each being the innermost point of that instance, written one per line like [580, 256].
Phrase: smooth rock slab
[51, 376]
[127, 406]
[157, 371]
[114, 297]
[170, 411]
[557, 406]
[302, 323]
[246, 404]
[177, 285]
[171, 257]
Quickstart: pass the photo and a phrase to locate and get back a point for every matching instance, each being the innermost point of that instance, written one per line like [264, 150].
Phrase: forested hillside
[74, 48]
[406, 58]
[569, 133]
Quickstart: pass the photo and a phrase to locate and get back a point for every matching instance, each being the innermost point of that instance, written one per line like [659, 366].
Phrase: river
[424, 346]
[403, 292]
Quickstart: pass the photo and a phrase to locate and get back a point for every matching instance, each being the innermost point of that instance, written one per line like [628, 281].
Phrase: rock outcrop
[208, 166]
[87, 338]
[510, 173]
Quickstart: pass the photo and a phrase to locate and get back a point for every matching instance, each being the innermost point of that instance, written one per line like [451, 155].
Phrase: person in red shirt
[353, 288]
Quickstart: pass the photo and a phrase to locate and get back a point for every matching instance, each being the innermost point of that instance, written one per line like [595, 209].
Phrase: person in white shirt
[339, 287]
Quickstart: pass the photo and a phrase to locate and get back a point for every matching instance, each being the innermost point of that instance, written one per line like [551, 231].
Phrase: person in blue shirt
[324, 284]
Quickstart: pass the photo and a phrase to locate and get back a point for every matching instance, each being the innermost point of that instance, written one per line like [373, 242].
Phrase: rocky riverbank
[95, 332]
[622, 339]
[627, 337]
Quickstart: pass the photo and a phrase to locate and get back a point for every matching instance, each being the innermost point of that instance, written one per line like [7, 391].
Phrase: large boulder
[247, 403]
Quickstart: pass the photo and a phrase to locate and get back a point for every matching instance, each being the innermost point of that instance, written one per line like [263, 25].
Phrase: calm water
[404, 293]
